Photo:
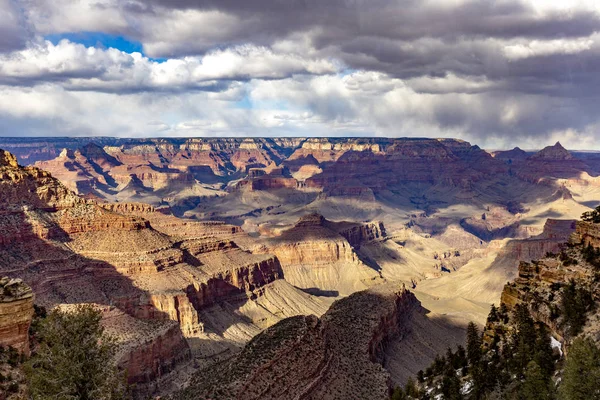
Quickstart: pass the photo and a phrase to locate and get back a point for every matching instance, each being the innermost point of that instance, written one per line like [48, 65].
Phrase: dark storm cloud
[403, 20]
[14, 31]
[414, 38]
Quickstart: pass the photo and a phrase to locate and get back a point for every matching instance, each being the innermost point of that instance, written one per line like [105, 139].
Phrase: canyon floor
[193, 247]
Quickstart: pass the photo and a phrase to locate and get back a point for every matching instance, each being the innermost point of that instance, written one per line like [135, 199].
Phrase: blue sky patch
[102, 41]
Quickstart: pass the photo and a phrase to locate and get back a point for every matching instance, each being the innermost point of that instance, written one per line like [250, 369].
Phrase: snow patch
[556, 345]
[466, 387]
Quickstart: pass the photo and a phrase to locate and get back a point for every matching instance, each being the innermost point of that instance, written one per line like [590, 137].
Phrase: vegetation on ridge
[74, 358]
[516, 356]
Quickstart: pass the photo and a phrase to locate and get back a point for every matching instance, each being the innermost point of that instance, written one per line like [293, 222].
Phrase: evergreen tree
[535, 386]
[493, 316]
[449, 355]
[451, 385]
[503, 313]
[576, 301]
[543, 354]
[490, 373]
[74, 359]
[581, 377]
[411, 389]
[398, 394]
[523, 341]
[460, 358]
[473, 344]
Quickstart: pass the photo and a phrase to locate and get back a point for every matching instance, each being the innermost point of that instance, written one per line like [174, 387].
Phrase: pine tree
[411, 389]
[543, 353]
[493, 316]
[535, 386]
[451, 385]
[503, 313]
[398, 394]
[523, 341]
[576, 301]
[74, 359]
[581, 377]
[460, 359]
[473, 344]
[450, 357]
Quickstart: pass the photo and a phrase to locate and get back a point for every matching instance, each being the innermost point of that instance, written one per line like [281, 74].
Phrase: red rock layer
[16, 311]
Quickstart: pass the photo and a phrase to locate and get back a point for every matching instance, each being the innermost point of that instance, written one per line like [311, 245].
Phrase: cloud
[536, 48]
[14, 30]
[497, 72]
[109, 70]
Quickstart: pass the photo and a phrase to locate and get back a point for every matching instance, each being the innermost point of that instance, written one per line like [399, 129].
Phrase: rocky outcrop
[147, 349]
[129, 208]
[552, 153]
[336, 356]
[311, 242]
[314, 255]
[510, 156]
[8, 160]
[32, 188]
[539, 282]
[586, 233]
[358, 234]
[497, 223]
[16, 312]
[229, 271]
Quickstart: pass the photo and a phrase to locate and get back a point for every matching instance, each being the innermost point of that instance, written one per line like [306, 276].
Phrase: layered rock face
[16, 312]
[425, 172]
[538, 282]
[402, 162]
[536, 286]
[314, 255]
[336, 356]
[555, 234]
[161, 280]
[147, 349]
[30, 150]
[357, 234]
[587, 233]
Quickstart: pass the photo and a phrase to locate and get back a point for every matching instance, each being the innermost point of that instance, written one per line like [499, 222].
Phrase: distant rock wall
[362, 233]
[317, 251]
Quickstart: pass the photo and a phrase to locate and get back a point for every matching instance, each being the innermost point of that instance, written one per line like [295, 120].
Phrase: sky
[498, 73]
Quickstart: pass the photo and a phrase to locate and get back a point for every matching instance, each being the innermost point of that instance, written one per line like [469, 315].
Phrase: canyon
[336, 356]
[226, 263]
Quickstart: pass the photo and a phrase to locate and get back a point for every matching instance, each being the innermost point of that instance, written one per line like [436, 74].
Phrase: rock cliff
[539, 282]
[16, 311]
[336, 356]
[314, 255]
[161, 281]
[147, 349]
